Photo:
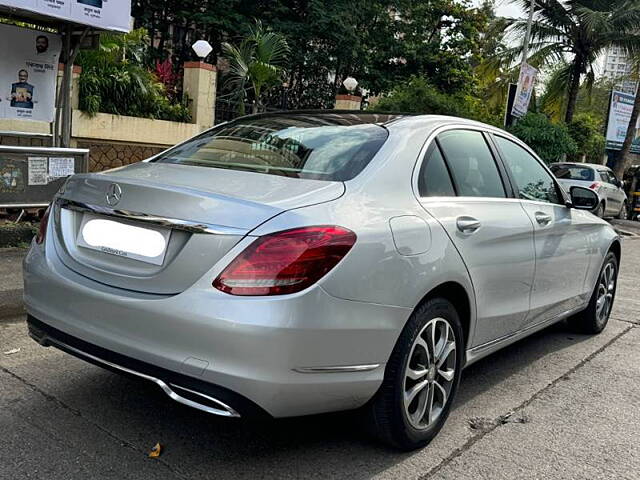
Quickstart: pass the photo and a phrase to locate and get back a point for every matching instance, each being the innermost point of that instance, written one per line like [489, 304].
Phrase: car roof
[356, 117]
[331, 117]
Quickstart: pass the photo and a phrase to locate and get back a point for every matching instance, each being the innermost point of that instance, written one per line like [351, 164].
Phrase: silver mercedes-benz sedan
[298, 263]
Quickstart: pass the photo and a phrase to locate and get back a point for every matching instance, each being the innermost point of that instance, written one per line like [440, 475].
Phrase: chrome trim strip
[173, 223]
[224, 411]
[338, 369]
[476, 353]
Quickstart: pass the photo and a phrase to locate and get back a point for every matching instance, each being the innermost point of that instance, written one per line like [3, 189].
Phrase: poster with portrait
[28, 72]
[526, 82]
[109, 14]
[620, 109]
[104, 14]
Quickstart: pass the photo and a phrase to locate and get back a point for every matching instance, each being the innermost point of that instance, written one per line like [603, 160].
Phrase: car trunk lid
[201, 212]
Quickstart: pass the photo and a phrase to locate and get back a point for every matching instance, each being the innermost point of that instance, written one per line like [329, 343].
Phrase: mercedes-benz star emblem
[114, 194]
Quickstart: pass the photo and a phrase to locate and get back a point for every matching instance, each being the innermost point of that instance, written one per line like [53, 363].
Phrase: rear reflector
[286, 262]
[42, 230]
[594, 186]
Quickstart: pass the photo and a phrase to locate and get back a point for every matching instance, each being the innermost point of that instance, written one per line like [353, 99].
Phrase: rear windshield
[315, 147]
[573, 172]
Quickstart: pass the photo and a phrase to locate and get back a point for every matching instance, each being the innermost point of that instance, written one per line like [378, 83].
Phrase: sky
[505, 8]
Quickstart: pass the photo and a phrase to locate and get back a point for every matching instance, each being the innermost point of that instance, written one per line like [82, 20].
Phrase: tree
[586, 132]
[255, 65]
[574, 34]
[549, 140]
[419, 96]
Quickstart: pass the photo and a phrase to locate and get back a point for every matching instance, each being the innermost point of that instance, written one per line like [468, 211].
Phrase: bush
[550, 141]
[115, 80]
[419, 96]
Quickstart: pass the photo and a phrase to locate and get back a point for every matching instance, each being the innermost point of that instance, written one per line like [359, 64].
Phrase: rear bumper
[254, 355]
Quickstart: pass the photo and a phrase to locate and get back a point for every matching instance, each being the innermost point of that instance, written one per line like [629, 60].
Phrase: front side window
[472, 165]
[533, 181]
[299, 146]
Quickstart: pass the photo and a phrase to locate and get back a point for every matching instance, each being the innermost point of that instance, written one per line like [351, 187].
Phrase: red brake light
[286, 262]
[594, 185]
[42, 230]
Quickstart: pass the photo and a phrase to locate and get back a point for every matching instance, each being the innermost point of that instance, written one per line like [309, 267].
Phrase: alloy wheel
[606, 289]
[430, 373]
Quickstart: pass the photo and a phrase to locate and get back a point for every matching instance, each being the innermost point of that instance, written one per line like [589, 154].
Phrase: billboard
[28, 72]
[103, 14]
[619, 115]
[525, 89]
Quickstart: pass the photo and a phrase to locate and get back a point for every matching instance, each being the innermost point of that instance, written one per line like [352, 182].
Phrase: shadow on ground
[200, 445]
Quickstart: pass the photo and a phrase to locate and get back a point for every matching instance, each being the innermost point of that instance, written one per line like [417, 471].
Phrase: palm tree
[571, 34]
[256, 64]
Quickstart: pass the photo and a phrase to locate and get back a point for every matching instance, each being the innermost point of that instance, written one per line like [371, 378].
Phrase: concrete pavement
[11, 281]
[556, 405]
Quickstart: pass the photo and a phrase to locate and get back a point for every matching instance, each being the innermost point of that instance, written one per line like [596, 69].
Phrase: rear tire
[595, 317]
[600, 210]
[624, 211]
[421, 378]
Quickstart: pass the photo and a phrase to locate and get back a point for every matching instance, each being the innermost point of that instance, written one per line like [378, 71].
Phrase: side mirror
[583, 198]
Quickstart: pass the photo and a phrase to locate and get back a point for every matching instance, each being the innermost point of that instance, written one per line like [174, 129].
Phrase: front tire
[421, 378]
[594, 319]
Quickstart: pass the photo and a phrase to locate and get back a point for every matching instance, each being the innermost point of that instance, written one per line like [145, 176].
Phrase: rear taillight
[594, 186]
[42, 230]
[286, 262]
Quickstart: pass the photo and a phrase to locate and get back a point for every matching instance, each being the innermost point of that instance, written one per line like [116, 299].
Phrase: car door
[617, 191]
[463, 186]
[610, 192]
[560, 234]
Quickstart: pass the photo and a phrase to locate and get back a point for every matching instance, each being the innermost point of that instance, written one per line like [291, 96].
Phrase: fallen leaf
[156, 451]
[12, 351]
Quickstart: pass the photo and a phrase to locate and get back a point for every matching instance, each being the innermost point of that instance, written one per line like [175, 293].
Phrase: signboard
[103, 14]
[28, 72]
[526, 83]
[30, 176]
[619, 115]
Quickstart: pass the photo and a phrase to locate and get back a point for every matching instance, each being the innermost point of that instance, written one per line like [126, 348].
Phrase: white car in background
[600, 179]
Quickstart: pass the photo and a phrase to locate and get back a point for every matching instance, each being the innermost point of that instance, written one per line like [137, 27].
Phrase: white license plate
[146, 244]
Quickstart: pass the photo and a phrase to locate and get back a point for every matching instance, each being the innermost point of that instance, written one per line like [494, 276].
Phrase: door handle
[467, 224]
[543, 218]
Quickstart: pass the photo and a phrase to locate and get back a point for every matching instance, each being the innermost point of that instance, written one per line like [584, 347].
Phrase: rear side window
[571, 172]
[533, 181]
[604, 176]
[472, 165]
[434, 180]
[300, 146]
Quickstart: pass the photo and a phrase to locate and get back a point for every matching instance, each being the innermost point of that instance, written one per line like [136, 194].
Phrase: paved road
[556, 405]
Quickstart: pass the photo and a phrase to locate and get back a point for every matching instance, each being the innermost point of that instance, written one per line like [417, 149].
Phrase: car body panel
[352, 317]
[562, 254]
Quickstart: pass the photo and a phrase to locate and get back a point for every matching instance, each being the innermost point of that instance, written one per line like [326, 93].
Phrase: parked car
[600, 179]
[298, 263]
